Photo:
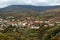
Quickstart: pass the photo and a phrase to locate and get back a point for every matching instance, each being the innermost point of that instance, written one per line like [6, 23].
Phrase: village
[28, 22]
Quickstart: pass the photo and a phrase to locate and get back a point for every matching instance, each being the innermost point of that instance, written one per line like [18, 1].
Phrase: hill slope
[52, 14]
[36, 8]
[25, 9]
[16, 10]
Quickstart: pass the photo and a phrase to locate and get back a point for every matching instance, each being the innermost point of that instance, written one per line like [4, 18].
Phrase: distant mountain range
[25, 9]
[35, 8]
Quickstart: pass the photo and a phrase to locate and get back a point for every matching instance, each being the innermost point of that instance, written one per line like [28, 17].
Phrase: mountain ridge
[25, 9]
[35, 8]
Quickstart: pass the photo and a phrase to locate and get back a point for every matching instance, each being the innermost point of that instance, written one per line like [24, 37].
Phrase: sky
[5, 3]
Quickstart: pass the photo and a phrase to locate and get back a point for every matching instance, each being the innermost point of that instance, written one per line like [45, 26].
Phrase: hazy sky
[4, 3]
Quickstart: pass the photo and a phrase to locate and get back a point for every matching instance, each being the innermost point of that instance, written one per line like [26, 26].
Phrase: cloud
[4, 3]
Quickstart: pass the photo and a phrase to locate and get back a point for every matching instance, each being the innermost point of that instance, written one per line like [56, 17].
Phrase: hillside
[52, 14]
[48, 12]
[26, 8]
[16, 11]
[36, 8]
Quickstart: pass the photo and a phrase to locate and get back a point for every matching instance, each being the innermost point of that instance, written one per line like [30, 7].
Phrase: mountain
[16, 10]
[29, 7]
[25, 9]
[35, 8]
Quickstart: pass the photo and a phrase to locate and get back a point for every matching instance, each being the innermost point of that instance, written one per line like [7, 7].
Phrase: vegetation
[31, 34]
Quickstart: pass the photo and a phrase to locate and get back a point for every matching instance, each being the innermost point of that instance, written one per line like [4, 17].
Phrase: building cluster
[26, 23]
